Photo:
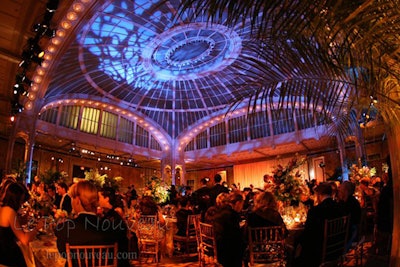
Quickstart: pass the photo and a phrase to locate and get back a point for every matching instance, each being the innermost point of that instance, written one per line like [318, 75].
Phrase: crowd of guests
[226, 208]
[86, 214]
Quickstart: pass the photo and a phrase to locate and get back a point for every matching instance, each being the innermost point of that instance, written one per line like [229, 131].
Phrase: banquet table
[45, 252]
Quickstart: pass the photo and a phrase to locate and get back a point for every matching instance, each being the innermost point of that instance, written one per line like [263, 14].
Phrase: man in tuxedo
[218, 188]
[202, 197]
[65, 201]
[310, 242]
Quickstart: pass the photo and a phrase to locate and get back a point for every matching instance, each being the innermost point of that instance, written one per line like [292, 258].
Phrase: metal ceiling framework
[134, 56]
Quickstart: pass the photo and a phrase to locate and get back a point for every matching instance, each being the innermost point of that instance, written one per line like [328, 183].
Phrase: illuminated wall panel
[90, 120]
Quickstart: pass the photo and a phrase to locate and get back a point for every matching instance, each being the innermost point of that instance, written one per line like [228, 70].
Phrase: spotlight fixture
[33, 53]
[43, 29]
[21, 78]
[16, 108]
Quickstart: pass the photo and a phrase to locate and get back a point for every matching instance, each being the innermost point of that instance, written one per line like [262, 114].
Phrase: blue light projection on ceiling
[136, 43]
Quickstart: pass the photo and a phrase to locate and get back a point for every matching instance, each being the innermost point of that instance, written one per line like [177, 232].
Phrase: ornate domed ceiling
[177, 75]
[137, 55]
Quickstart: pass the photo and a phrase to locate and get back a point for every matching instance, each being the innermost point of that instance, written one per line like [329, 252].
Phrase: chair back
[266, 244]
[208, 245]
[187, 244]
[335, 239]
[148, 227]
[149, 236]
[190, 227]
[92, 255]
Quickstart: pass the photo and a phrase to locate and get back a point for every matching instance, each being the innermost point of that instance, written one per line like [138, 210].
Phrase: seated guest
[12, 196]
[248, 199]
[265, 212]
[65, 199]
[221, 201]
[352, 207]
[87, 227]
[182, 214]
[228, 234]
[51, 192]
[310, 242]
[113, 221]
[147, 206]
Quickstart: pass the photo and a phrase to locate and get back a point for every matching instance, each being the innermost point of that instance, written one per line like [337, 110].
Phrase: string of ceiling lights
[32, 56]
[122, 160]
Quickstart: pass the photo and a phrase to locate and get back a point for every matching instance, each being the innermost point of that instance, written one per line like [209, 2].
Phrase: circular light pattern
[191, 51]
[137, 54]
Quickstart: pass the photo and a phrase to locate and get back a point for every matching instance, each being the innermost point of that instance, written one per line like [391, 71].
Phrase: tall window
[237, 129]
[304, 119]
[190, 146]
[142, 137]
[201, 140]
[259, 125]
[90, 120]
[69, 116]
[108, 127]
[282, 121]
[50, 115]
[218, 135]
[125, 131]
[154, 144]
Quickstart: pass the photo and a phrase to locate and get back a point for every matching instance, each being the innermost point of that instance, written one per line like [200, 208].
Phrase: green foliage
[20, 172]
[50, 177]
[103, 180]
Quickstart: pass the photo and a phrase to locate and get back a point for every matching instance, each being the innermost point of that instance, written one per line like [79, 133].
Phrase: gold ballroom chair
[150, 236]
[92, 255]
[186, 245]
[336, 233]
[208, 245]
[267, 245]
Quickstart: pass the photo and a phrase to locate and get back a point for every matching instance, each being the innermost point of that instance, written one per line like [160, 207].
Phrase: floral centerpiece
[290, 186]
[158, 189]
[290, 190]
[101, 180]
[356, 173]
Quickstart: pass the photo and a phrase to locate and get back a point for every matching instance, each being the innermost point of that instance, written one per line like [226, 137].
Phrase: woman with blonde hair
[265, 212]
[86, 228]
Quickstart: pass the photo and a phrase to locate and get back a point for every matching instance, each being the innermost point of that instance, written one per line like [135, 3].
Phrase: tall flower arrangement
[158, 189]
[290, 186]
[356, 173]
